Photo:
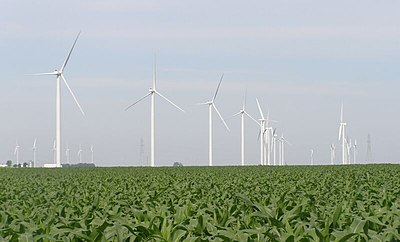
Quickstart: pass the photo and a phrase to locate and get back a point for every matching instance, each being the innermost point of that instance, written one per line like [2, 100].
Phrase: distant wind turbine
[92, 151]
[242, 113]
[34, 152]
[333, 153]
[274, 138]
[67, 150]
[54, 152]
[312, 157]
[152, 93]
[282, 142]
[59, 75]
[211, 106]
[16, 152]
[348, 151]
[262, 136]
[355, 150]
[80, 153]
[342, 136]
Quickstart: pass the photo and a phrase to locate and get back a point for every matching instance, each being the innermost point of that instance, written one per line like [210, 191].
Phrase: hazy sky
[300, 58]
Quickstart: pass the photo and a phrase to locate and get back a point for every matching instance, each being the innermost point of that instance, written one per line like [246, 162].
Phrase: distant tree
[177, 164]
[25, 164]
[9, 163]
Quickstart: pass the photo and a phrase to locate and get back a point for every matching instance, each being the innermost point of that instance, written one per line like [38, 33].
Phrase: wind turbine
[274, 137]
[60, 76]
[80, 153]
[92, 151]
[312, 157]
[152, 93]
[332, 153]
[355, 152]
[342, 136]
[16, 152]
[211, 106]
[282, 142]
[54, 152]
[262, 130]
[67, 150]
[242, 113]
[348, 150]
[34, 152]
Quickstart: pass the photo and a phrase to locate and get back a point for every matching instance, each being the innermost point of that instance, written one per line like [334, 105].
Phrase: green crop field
[319, 203]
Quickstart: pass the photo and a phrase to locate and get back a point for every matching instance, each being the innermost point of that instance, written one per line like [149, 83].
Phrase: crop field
[294, 203]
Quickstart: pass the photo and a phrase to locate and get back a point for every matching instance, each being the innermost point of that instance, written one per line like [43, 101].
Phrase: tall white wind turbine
[60, 76]
[16, 152]
[67, 150]
[355, 150]
[342, 136]
[348, 151]
[54, 149]
[211, 106]
[34, 148]
[80, 153]
[152, 93]
[262, 136]
[274, 138]
[282, 142]
[312, 157]
[242, 113]
[333, 153]
[92, 153]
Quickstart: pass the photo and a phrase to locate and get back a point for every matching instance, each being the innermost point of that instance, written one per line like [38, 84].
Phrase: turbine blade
[159, 94]
[219, 84]
[43, 74]
[236, 114]
[340, 131]
[148, 94]
[154, 71]
[205, 103]
[73, 95]
[220, 116]
[70, 52]
[251, 117]
[259, 109]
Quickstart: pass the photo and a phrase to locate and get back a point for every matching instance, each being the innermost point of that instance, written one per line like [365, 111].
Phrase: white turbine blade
[34, 143]
[70, 52]
[148, 94]
[73, 95]
[155, 71]
[251, 117]
[91, 148]
[341, 113]
[259, 109]
[236, 114]
[220, 116]
[158, 93]
[43, 74]
[340, 131]
[205, 103]
[219, 84]
[15, 151]
[244, 99]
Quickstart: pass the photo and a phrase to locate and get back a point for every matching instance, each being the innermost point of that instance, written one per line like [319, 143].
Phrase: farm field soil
[293, 203]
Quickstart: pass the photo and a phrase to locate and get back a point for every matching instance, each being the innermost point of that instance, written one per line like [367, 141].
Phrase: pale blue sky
[300, 58]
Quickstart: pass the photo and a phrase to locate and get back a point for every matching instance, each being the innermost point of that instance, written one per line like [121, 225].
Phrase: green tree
[9, 163]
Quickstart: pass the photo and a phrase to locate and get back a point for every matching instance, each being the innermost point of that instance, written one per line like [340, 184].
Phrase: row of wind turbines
[267, 135]
[54, 150]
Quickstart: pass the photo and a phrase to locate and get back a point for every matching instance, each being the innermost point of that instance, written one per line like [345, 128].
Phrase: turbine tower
[211, 106]
[16, 152]
[355, 152]
[242, 113]
[282, 142]
[34, 152]
[80, 153]
[152, 93]
[67, 150]
[274, 138]
[312, 157]
[92, 153]
[342, 136]
[369, 149]
[348, 150]
[54, 149]
[333, 153]
[262, 130]
[60, 76]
